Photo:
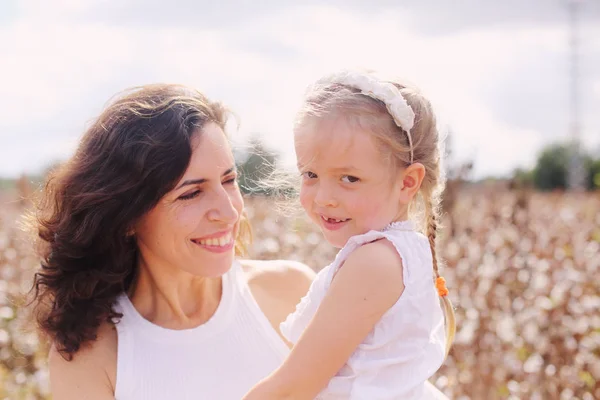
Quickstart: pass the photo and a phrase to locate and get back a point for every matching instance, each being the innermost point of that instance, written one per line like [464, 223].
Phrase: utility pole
[576, 170]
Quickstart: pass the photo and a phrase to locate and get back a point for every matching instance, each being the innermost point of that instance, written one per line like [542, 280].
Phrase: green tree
[550, 171]
[594, 174]
[522, 178]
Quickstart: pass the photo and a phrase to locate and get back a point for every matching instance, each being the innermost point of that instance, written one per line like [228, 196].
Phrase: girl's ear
[412, 178]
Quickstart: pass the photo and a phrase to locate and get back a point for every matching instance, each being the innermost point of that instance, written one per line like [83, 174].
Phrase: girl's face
[348, 188]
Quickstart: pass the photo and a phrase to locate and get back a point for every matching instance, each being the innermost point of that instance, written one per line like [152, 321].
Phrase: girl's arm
[364, 288]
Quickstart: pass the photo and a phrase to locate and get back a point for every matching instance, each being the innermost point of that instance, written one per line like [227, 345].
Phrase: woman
[139, 290]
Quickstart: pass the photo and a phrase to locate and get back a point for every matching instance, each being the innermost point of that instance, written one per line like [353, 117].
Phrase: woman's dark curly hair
[129, 158]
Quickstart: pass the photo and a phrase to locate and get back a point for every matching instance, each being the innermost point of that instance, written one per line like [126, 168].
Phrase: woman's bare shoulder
[281, 281]
[91, 371]
[284, 275]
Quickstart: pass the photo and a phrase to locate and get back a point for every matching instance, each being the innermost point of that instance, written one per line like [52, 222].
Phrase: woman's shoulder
[284, 278]
[277, 285]
[93, 368]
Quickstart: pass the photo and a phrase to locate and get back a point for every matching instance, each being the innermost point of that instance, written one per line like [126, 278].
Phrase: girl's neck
[401, 216]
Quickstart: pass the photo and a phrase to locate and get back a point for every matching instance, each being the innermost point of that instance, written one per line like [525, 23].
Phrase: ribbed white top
[218, 360]
[406, 346]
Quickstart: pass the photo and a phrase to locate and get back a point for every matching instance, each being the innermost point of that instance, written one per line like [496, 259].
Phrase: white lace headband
[396, 104]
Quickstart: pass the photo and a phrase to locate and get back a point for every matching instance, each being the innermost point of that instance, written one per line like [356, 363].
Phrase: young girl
[372, 325]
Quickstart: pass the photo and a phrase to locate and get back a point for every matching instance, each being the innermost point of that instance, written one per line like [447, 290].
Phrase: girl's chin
[335, 239]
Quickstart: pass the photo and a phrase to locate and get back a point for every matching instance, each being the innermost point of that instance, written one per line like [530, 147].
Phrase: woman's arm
[365, 287]
[90, 374]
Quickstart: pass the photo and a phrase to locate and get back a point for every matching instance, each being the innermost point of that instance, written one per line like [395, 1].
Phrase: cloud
[65, 60]
[452, 70]
[425, 16]
[44, 66]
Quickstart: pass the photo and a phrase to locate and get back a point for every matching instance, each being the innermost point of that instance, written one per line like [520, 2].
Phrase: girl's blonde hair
[331, 99]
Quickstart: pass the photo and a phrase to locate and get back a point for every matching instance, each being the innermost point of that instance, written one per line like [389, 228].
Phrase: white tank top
[218, 360]
[406, 346]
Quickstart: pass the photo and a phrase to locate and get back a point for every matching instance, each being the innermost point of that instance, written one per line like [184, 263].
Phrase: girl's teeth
[334, 220]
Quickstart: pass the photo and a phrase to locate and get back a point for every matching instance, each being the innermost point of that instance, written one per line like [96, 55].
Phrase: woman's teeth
[221, 241]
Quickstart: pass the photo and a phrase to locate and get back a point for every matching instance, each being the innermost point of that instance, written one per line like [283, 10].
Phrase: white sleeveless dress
[406, 346]
[219, 360]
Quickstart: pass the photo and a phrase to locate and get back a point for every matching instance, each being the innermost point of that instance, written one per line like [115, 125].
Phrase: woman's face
[193, 227]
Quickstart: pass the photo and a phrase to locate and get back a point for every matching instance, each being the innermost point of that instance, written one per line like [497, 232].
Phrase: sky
[495, 71]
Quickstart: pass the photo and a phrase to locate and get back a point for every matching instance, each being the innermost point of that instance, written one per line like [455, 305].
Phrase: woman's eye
[349, 179]
[189, 195]
[230, 181]
[309, 175]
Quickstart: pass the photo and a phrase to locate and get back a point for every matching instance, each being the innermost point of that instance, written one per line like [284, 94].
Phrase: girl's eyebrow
[344, 169]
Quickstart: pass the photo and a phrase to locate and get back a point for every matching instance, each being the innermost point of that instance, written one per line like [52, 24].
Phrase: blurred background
[516, 86]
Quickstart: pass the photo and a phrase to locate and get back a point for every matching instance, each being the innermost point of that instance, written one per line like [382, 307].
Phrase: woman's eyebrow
[202, 180]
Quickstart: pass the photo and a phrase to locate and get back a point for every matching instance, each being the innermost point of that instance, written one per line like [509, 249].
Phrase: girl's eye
[349, 179]
[309, 175]
[189, 195]
[230, 181]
